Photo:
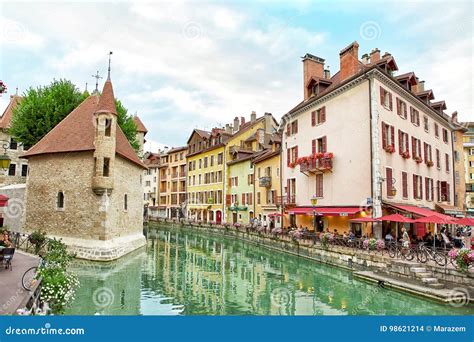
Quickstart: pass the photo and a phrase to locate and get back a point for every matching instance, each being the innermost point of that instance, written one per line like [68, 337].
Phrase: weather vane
[97, 77]
[110, 54]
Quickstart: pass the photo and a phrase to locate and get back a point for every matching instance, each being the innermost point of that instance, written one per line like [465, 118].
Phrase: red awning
[328, 211]
[3, 200]
[274, 215]
[364, 219]
[425, 212]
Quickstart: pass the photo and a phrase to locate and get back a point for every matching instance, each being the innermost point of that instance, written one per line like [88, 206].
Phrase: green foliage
[37, 239]
[44, 107]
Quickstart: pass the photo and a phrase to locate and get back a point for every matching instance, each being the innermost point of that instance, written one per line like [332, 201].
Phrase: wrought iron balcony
[265, 181]
[316, 166]
[288, 200]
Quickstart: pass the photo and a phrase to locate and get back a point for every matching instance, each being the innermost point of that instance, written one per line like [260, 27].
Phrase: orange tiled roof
[76, 131]
[6, 118]
[107, 99]
[140, 126]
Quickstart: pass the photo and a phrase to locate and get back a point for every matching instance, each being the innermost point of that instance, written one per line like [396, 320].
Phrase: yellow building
[267, 175]
[206, 170]
[468, 141]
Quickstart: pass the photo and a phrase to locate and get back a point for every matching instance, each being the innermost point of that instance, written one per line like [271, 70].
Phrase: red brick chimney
[374, 56]
[349, 61]
[313, 66]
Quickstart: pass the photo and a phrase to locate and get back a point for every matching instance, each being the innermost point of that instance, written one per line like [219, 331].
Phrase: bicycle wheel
[440, 258]
[409, 254]
[421, 256]
[392, 252]
[29, 278]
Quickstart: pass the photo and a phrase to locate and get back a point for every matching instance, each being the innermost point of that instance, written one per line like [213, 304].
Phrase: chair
[7, 257]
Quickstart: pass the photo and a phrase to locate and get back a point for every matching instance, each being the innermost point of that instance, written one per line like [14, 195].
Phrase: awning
[326, 211]
[450, 209]
[364, 220]
[274, 215]
[420, 211]
[3, 200]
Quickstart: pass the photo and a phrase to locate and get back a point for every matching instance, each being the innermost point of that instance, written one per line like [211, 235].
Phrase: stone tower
[105, 121]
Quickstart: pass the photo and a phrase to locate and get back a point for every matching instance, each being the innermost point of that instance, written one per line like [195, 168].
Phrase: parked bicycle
[29, 278]
[397, 249]
[425, 253]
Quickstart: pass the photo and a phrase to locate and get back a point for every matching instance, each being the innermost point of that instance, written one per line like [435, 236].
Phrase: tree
[41, 109]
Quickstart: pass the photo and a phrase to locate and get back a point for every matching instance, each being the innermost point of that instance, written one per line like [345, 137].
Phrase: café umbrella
[396, 218]
[465, 221]
[436, 220]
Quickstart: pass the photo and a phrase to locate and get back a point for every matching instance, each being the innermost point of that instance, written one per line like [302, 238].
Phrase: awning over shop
[3, 200]
[420, 211]
[325, 211]
[364, 220]
[450, 210]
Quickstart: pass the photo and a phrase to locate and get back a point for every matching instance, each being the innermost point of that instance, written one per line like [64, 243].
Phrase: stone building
[18, 170]
[85, 183]
[141, 132]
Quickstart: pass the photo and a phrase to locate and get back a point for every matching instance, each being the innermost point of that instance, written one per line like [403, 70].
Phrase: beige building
[172, 183]
[85, 183]
[18, 170]
[364, 142]
[150, 182]
[468, 144]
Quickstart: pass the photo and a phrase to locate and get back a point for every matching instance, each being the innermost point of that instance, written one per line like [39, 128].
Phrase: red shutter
[405, 184]
[243, 199]
[388, 180]
[400, 142]
[407, 144]
[398, 106]
[413, 146]
[324, 143]
[425, 152]
[288, 129]
[288, 194]
[313, 146]
[382, 97]
[384, 136]
[288, 155]
[390, 101]
[323, 114]
[414, 186]
[236, 181]
[392, 131]
[448, 193]
[313, 118]
[438, 191]
[427, 188]
[319, 185]
[421, 187]
[296, 153]
[296, 127]
[417, 118]
[228, 200]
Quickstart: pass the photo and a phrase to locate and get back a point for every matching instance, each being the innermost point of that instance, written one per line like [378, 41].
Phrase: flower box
[406, 155]
[390, 149]
[429, 163]
[418, 159]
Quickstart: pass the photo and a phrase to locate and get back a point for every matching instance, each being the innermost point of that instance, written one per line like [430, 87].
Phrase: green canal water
[181, 272]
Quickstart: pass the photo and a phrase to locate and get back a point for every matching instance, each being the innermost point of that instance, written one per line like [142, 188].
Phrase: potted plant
[37, 239]
[429, 163]
[418, 159]
[390, 149]
[406, 155]
[463, 258]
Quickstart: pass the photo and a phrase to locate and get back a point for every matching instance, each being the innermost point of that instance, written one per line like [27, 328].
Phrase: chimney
[374, 56]
[242, 121]
[236, 124]
[454, 117]
[349, 61]
[228, 128]
[269, 123]
[327, 74]
[253, 116]
[365, 58]
[421, 86]
[313, 66]
[386, 54]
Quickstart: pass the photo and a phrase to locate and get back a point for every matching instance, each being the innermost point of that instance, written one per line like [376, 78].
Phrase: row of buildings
[365, 141]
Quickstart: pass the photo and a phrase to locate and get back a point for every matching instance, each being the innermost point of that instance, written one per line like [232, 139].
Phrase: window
[416, 149]
[13, 144]
[125, 202]
[292, 155]
[220, 159]
[271, 196]
[319, 145]
[427, 154]
[258, 198]
[234, 181]
[404, 184]
[385, 98]
[403, 144]
[438, 159]
[60, 200]
[212, 161]
[389, 181]
[414, 116]
[205, 162]
[436, 129]
[318, 116]
[417, 187]
[106, 167]
[388, 137]
[292, 128]
[12, 169]
[445, 135]
[200, 163]
[444, 191]
[108, 125]
[429, 189]
[24, 170]
[426, 124]
[402, 108]
[250, 179]
[319, 185]
[446, 157]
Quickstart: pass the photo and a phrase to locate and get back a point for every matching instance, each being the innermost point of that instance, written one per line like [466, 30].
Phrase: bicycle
[395, 249]
[425, 253]
[28, 280]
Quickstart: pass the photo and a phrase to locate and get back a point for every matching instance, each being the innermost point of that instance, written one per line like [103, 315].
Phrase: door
[234, 217]
[218, 217]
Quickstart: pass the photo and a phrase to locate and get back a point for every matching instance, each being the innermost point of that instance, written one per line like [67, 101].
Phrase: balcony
[288, 200]
[265, 181]
[316, 166]
[174, 175]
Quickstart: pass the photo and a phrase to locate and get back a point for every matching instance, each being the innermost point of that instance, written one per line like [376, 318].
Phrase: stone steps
[426, 277]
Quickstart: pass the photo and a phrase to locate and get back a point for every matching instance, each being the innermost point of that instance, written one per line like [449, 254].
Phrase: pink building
[364, 142]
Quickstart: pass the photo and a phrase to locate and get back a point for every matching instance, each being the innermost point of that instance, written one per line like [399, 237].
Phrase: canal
[182, 272]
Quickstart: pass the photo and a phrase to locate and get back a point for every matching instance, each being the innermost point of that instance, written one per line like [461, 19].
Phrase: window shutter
[388, 180]
[323, 114]
[427, 188]
[251, 198]
[400, 142]
[405, 184]
[384, 136]
[398, 106]
[324, 143]
[228, 200]
[382, 96]
[425, 152]
[288, 155]
[313, 118]
[243, 199]
[288, 191]
[392, 133]
[296, 127]
[407, 144]
[390, 101]
[413, 146]
[448, 193]
[420, 179]
[414, 187]
[288, 129]
[438, 191]
[296, 153]
[236, 181]
[313, 146]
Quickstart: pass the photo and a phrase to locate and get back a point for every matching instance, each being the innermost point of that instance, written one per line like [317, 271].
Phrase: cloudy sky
[182, 65]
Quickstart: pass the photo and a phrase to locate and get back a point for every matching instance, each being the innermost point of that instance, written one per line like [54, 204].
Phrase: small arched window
[60, 200]
[125, 202]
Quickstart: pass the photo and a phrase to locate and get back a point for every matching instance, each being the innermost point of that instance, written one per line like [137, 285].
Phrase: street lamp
[314, 201]
[4, 159]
